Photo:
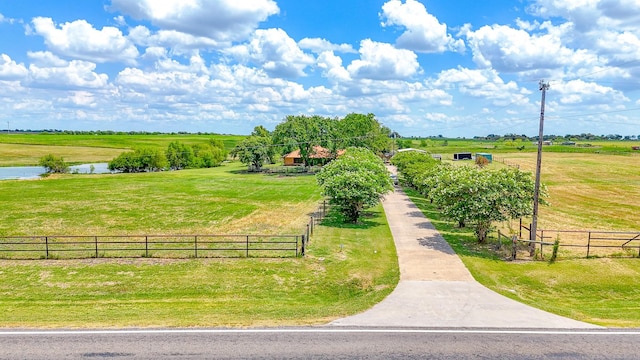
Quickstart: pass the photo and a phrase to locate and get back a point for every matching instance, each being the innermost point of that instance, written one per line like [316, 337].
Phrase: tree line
[305, 133]
[470, 195]
[177, 156]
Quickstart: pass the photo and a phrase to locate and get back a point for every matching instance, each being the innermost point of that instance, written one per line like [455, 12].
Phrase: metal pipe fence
[164, 246]
[169, 246]
[589, 243]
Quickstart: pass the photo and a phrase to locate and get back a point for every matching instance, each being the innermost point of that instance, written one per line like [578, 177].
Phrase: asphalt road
[320, 343]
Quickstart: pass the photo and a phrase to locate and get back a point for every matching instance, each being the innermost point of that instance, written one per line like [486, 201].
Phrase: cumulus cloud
[589, 93]
[10, 70]
[424, 33]
[219, 20]
[80, 40]
[515, 50]
[180, 43]
[75, 74]
[318, 46]
[332, 68]
[589, 15]
[381, 61]
[483, 83]
[275, 52]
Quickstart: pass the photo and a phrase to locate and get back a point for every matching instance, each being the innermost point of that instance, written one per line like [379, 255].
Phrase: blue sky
[453, 68]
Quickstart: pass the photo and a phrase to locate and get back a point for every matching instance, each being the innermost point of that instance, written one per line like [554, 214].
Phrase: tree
[355, 181]
[140, 160]
[359, 130]
[253, 152]
[54, 164]
[180, 156]
[261, 131]
[480, 197]
[303, 132]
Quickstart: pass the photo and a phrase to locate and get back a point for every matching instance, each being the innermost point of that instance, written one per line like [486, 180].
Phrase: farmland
[589, 190]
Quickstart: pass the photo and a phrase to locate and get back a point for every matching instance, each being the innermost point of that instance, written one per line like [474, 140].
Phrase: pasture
[335, 279]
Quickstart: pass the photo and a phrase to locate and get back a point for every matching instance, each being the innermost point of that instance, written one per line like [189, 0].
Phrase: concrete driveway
[436, 289]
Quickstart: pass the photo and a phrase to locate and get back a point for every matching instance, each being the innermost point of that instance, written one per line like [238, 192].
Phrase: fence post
[589, 244]
[302, 249]
[514, 250]
[195, 244]
[96, 240]
[308, 232]
[324, 208]
[520, 235]
[46, 247]
[247, 245]
[541, 244]
[146, 246]
[312, 224]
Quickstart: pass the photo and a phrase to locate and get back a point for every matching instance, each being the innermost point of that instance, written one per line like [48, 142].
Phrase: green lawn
[347, 270]
[335, 279]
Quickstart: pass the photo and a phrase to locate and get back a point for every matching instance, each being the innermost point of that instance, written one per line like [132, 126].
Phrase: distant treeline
[105, 132]
[494, 137]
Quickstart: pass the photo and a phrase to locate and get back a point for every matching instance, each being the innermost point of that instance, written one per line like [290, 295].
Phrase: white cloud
[424, 33]
[484, 84]
[514, 50]
[275, 52]
[74, 75]
[46, 59]
[380, 61]
[587, 93]
[179, 43]
[318, 46]
[219, 20]
[10, 70]
[332, 68]
[80, 40]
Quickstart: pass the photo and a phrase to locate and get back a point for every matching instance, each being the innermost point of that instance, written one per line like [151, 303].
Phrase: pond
[34, 172]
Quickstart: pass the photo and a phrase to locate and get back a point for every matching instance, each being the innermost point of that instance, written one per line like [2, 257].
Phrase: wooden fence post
[588, 244]
[46, 247]
[302, 249]
[195, 245]
[247, 245]
[96, 241]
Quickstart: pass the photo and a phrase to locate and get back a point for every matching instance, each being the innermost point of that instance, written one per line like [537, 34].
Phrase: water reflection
[34, 172]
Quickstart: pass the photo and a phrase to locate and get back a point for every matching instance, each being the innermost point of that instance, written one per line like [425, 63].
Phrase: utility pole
[536, 193]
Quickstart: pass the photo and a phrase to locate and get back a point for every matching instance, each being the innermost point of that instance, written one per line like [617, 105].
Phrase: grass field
[450, 146]
[27, 149]
[203, 201]
[347, 268]
[335, 279]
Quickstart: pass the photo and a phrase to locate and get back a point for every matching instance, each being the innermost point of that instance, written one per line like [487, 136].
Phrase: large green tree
[304, 133]
[253, 151]
[359, 130]
[480, 197]
[355, 181]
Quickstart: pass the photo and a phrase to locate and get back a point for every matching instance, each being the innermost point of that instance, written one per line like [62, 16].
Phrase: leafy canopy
[355, 181]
